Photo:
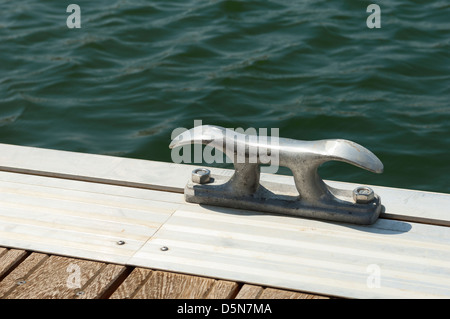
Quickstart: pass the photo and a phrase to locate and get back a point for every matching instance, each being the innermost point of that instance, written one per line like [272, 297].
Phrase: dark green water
[136, 70]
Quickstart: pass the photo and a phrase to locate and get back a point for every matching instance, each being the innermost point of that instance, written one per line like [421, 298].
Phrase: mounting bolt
[201, 175]
[363, 195]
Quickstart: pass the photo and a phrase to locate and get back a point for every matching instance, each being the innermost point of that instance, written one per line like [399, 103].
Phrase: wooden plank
[132, 284]
[305, 255]
[271, 293]
[257, 292]
[223, 289]
[168, 285]
[318, 232]
[9, 258]
[144, 283]
[69, 216]
[58, 277]
[409, 205]
[62, 278]
[89, 191]
[249, 292]
[82, 219]
[20, 274]
[105, 283]
[83, 167]
[106, 279]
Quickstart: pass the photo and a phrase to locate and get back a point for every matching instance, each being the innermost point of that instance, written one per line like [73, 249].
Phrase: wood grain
[37, 275]
[20, 273]
[60, 277]
[132, 284]
[82, 211]
[104, 283]
[249, 292]
[52, 279]
[9, 258]
[167, 285]
[416, 206]
[272, 293]
[223, 289]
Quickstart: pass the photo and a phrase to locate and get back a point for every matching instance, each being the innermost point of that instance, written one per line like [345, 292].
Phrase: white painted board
[390, 259]
[412, 205]
[79, 219]
[81, 205]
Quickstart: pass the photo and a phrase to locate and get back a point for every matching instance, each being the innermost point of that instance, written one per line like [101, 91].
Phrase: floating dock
[76, 225]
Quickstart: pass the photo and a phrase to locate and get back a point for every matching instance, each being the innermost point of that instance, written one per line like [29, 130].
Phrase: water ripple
[137, 70]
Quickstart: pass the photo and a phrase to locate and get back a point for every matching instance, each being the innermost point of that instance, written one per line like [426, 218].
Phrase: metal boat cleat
[309, 197]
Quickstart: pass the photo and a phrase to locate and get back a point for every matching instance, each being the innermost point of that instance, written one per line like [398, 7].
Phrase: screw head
[164, 248]
[363, 195]
[120, 242]
[21, 282]
[80, 293]
[201, 175]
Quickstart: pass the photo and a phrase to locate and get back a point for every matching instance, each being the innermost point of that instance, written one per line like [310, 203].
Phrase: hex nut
[363, 195]
[201, 175]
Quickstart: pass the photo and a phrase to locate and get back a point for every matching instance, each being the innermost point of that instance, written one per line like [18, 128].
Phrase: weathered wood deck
[32, 275]
[108, 220]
